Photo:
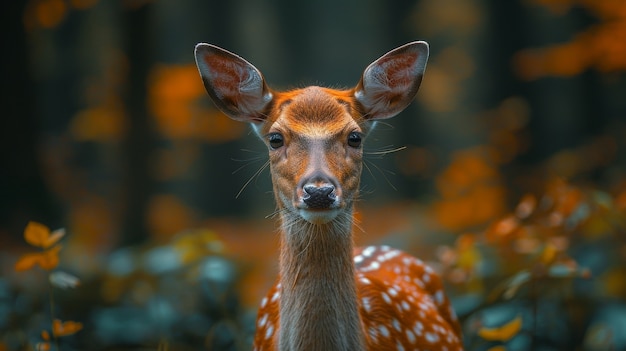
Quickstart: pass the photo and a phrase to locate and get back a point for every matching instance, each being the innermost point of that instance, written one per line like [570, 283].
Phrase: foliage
[177, 296]
[38, 235]
[534, 253]
[599, 46]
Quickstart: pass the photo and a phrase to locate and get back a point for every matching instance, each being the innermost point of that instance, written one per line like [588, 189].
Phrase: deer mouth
[318, 216]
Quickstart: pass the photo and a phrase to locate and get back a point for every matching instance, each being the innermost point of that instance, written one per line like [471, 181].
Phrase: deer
[331, 295]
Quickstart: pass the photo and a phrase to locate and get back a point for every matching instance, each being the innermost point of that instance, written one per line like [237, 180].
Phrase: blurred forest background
[512, 183]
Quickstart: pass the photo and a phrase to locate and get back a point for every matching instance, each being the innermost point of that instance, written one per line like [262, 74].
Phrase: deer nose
[319, 197]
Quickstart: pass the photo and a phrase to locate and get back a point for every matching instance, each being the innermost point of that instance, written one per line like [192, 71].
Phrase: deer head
[314, 135]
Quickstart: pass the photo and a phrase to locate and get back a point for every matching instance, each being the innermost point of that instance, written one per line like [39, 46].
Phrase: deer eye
[276, 140]
[354, 139]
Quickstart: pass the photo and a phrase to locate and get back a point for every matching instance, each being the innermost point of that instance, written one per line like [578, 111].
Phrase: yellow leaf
[65, 328]
[502, 333]
[39, 235]
[47, 260]
[27, 261]
[36, 234]
[50, 258]
[548, 255]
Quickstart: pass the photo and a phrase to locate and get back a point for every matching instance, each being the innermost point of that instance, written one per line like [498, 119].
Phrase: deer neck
[318, 303]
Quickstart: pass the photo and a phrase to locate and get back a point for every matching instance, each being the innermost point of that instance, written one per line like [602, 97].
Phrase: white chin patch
[319, 216]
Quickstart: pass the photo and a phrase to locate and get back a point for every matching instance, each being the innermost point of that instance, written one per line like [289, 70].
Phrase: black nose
[319, 197]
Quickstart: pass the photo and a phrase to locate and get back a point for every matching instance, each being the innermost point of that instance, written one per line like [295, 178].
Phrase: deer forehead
[315, 113]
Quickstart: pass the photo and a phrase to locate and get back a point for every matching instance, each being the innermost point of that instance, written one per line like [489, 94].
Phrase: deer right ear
[236, 87]
[389, 84]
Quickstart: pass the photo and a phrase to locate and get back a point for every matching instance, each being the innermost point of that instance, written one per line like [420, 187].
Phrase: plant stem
[54, 335]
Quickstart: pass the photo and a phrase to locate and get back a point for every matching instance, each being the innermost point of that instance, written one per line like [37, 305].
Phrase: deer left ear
[389, 84]
[236, 87]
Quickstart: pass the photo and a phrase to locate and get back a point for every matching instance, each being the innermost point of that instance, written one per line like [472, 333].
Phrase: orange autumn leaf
[47, 260]
[39, 235]
[503, 229]
[45, 335]
[502, 333]
[526, 206]
[65, 328]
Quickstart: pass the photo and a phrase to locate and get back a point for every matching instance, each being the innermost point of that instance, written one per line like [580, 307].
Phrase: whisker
[273, 214]
[384, 151]
[386, 124]
[309, 239]
[248, 161]
[383, 173]
[256, 174]
[356, 223]
[369, 170]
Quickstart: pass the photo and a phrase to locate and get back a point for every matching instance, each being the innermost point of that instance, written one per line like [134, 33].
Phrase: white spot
[374, 265]
[369, 251]
[407, 278]
[393, 292]
[269, 331]
[385, 248]
[358, 259]
[364, 280]
[399, 346]
[262, 320]
[275, 297]
[366, 304]
[407, 260]
[418, 328]
[410, 336]
[428, 270]
[386, 298]
[431, 337]
[405, 305]
[426, 278]
[419, 283]
[391, 254]
[396, 270]
[439, 297]
[264, 302]
[383, 330]
[396, 325]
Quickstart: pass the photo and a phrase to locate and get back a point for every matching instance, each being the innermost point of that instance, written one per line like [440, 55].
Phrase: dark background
[104, 54]
[106, 130]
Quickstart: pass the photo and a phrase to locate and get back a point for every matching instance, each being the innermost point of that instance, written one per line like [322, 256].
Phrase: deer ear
[389, 84]
[236, 87]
